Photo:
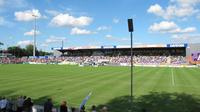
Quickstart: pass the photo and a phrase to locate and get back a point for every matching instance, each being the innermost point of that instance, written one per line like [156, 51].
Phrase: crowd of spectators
[21, 104]
[14, 60]
[98, 59]
[24, 104]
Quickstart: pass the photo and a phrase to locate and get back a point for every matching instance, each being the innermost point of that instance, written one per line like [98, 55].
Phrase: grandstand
[143, 54]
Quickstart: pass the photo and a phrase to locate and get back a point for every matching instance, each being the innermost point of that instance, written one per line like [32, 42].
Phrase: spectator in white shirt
[3, 104]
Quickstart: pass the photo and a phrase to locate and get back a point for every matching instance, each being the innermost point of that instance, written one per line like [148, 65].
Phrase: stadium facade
[190, 51]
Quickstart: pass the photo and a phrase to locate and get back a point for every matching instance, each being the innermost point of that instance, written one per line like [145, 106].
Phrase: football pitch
[73, 83]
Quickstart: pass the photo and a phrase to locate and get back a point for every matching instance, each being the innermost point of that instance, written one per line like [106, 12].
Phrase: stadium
[99, 56]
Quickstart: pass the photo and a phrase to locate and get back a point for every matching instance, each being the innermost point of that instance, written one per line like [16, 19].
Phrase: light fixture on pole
[34, 36]
[130, 28]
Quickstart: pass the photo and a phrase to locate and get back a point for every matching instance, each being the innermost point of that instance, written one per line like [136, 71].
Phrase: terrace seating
[178, 60]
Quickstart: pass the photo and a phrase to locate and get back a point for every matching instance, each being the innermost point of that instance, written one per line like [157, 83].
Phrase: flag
[85, 100]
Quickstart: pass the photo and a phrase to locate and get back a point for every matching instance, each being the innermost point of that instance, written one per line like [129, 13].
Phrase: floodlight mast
[130, 28]
[34, 36]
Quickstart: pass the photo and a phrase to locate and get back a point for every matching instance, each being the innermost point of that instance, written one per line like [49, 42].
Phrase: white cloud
[54, 39]
[137, 43]
[9, 3]
[4, 22]
[44, 17]
[186, 38]
[115, 20]
[186, 3]
[78, 31]
[198, 16]
[70, 21]
[31, 33]
[179, 8]
[110, 37]
[101, 28]
[44, 45]
[52, 12]
[156, 9]
[2, 2]
[163, 26]
[27, 15]
[125, 39]
[18, 3]
[188, 30]
[24, 42]
[169, 27]
[185, 30]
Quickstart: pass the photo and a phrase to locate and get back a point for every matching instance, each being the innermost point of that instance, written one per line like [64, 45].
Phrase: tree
[1, 51]
[16, 51]
[29, 50]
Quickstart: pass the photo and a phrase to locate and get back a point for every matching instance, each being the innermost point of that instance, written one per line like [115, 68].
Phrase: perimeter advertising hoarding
[177, 45]
[196, 56]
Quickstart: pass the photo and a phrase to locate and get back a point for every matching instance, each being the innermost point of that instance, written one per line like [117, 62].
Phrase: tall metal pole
[131, 29]
[131, 68]
[34, 37]
[62, 44]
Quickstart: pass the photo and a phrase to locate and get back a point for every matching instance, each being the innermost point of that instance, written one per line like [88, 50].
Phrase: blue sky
[98, 22]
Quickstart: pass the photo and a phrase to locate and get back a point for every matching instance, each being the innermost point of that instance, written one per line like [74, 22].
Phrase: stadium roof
[123, 46]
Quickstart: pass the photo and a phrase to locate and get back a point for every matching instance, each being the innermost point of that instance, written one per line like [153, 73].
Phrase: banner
[85, 100]
[196, 56]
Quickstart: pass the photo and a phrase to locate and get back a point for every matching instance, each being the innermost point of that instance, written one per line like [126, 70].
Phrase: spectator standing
[94, 108]
[14, 106]
[3, 104]
[73, 109]
[9, 105]
[83, 109]
[63, 107]
[104, 109]
[48, 105]
[28, 105]
[20, 102]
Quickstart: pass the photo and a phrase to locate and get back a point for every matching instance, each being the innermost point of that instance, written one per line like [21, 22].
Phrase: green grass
[73, 83]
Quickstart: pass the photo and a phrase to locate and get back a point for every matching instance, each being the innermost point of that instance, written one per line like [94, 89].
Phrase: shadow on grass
[156, 102]
[8, 93]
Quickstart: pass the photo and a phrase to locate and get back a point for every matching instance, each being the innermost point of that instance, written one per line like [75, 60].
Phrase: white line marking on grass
[173, 81]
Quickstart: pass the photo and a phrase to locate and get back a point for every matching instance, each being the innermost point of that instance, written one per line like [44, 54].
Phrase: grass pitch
[73, 83]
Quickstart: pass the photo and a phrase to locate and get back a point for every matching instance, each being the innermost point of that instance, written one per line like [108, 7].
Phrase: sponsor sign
[177, 45]
[196, 56]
